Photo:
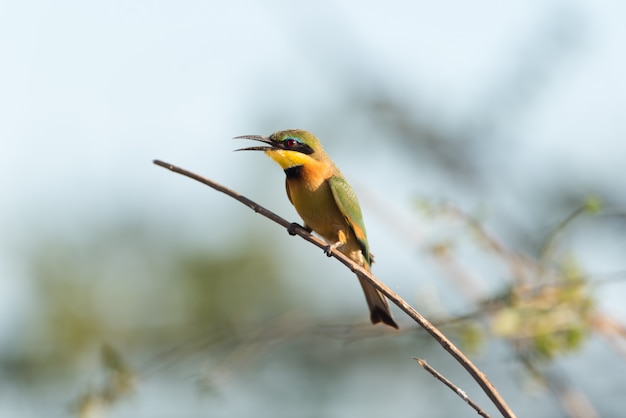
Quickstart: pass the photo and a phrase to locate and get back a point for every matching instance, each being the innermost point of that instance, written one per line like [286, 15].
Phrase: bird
[325, 201]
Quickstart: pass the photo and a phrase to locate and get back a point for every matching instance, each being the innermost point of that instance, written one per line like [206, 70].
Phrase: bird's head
[289, 148]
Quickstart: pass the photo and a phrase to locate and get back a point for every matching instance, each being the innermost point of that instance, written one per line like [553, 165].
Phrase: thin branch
[548, 246]
[452, 386]
[295, 229]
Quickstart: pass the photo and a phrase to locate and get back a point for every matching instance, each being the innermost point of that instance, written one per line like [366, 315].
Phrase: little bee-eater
[325, 202]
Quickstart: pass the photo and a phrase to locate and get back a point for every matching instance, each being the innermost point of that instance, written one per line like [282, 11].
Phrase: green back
[348, 205]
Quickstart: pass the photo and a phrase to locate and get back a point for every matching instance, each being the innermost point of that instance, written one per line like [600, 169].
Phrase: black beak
[256, 138]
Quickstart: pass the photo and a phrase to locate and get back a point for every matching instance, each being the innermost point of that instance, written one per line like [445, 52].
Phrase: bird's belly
[318, 210]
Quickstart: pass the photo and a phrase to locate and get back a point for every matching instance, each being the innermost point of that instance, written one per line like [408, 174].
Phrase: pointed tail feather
[379, 308]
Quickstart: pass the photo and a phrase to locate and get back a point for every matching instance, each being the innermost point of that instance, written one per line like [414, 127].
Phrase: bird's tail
[379, 308]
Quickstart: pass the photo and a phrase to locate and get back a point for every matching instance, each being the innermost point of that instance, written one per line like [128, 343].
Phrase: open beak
[260, 138]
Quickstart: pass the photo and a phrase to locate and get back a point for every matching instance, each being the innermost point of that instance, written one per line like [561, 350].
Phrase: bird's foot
[329, 249]
[291, 229]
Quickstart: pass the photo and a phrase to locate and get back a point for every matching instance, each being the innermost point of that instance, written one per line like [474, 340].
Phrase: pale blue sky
[92, 91]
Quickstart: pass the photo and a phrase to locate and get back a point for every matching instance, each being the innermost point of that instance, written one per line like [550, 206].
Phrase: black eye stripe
[293, 145]
[303, 148]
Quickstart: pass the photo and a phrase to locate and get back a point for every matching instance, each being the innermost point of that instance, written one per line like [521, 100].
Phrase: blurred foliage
[548, 321]
[119, 382]
[230, 307]
[106, 287]
[239, 287]
[544, 306]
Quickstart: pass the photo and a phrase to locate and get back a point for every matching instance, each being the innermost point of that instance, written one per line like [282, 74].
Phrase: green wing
[348, 205]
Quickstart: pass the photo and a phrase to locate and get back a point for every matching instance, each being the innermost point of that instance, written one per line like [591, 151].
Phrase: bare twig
[452, 386]
[478, 376]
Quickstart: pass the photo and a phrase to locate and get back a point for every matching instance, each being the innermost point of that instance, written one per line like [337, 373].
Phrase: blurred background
[486, 142]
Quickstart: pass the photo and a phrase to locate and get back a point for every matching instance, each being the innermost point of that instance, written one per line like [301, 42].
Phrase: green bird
[325, 202]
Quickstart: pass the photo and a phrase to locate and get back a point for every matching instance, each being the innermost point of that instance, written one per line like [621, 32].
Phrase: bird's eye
[291, 142]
